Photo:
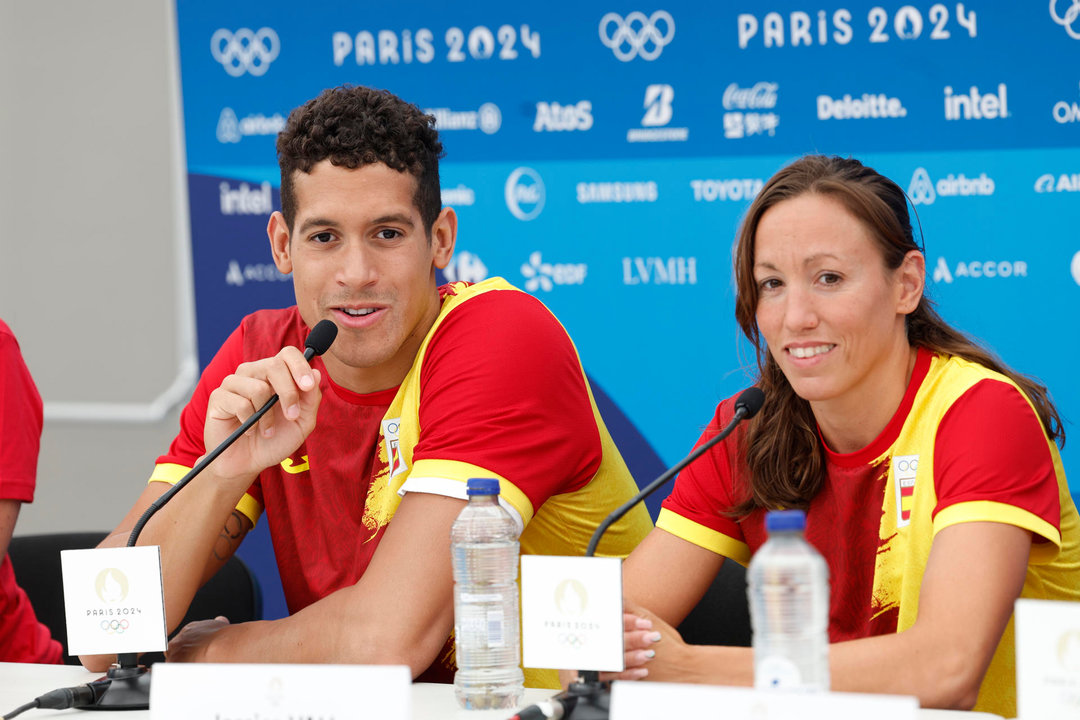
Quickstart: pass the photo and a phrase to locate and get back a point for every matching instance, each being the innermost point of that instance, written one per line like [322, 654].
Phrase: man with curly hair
[423, 388]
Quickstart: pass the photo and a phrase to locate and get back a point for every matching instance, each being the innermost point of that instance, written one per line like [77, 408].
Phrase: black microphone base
[128, 689]
[593, 701]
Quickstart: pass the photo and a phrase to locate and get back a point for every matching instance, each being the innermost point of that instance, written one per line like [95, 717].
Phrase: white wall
[94, 252]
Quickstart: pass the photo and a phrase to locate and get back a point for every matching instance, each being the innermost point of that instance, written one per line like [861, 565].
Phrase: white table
[21, 683]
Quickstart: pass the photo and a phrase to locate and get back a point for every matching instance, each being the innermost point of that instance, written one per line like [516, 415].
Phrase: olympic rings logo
[245, 51]
[574, 640]
[638, 34]
[1070, 17]
[115, 627]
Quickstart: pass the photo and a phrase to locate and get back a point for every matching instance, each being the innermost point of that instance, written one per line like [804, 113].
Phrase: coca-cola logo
[761, 96]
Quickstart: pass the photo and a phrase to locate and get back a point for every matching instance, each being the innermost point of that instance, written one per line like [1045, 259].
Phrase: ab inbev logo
[638, 34]
[524, 192]
[923, 191]
[245, 51]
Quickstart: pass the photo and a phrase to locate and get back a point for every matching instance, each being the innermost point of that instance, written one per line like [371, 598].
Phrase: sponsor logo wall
[600, 156]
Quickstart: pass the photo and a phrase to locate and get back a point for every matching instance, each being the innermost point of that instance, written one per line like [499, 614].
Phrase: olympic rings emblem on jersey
[1068, 19]
[245, 51]
[637, 34]
[115, 627]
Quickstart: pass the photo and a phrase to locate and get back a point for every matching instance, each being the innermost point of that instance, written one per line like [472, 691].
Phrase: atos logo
[553, 117]
[545, 276]
[465, 267]
[524, 193]
[637, 35]
[245, 51]
[1068, 20]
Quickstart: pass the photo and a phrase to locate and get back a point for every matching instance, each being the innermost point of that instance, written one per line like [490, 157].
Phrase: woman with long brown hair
[865, 386]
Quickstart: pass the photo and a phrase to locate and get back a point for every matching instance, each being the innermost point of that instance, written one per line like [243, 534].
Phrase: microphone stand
[588, 698]
[127, 682]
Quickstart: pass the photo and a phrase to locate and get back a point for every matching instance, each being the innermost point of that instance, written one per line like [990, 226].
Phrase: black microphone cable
[64, 698]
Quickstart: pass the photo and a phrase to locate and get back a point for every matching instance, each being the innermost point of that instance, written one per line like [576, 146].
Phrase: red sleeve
[503, 389]
[187, 447]
[20, 422]
[704, 490]
[990, 446]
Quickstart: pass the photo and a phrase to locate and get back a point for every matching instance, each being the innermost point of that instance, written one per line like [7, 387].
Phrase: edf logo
[245, 51]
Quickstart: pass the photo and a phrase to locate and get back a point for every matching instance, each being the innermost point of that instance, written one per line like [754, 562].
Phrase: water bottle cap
[482, 486]
[785, 520]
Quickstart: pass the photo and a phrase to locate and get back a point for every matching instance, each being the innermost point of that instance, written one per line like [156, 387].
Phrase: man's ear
[443, 237]
[278, 231]
[911, 281]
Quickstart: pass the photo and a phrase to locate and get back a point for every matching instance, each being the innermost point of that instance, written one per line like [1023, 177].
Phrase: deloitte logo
[524, 193]
[923, 191]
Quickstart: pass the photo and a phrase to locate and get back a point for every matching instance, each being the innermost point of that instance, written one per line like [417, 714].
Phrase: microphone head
[321, 337]
[750, 401]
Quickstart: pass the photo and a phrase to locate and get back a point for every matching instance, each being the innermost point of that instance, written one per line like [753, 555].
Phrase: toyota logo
[245, 51]
[638, 34]
[1070, 17]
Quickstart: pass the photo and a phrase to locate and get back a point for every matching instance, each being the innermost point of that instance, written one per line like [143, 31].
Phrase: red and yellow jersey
[965, 445]
[496, 390]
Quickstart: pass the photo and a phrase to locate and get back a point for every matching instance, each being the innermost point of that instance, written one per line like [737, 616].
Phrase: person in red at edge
[22, 637]
[928, 469]
[423, 388]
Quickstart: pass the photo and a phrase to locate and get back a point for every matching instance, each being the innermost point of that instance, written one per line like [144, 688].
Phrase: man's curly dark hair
[353, 126]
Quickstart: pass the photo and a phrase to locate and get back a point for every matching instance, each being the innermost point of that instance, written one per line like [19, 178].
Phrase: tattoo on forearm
[229, 537]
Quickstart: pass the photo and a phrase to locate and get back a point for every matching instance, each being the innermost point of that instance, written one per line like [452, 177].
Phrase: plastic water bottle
[484, 546]
[788, 585]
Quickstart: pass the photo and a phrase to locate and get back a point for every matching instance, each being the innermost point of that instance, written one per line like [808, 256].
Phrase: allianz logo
[659, 271]
[239, 275]
[487, 119]
[617, 192]
[867, 106]
[465, 266]
[231, 129]
[730, 189]
[976, 105]
[978, 269]
[245, 200]
[540, 275]
[1062, 183]
[553, 117]
[460, 196]
[923, 191]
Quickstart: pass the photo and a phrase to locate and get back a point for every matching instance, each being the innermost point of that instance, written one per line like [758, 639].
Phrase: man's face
[360, 257]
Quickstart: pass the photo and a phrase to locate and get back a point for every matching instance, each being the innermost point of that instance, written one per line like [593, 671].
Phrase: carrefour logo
[467, 267]
[525, 194]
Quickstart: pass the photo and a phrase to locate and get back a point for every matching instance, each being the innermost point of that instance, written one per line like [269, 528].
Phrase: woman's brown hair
[785, 458]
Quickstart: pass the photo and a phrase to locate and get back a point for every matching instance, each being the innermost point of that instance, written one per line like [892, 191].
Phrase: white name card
[649, 700]
[1047, 659]
[571, 612]
[203, 691]
[113, 600]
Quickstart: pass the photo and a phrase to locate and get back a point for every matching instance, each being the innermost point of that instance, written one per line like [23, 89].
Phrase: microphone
[127, 684]
[589, 697]
[318, 341]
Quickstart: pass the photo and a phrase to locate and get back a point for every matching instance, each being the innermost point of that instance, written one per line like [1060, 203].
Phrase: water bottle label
[480, 597]
[480, 627]
[776, 673]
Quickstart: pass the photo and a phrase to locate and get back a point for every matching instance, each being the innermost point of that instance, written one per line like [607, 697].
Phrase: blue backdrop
[600, 155]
